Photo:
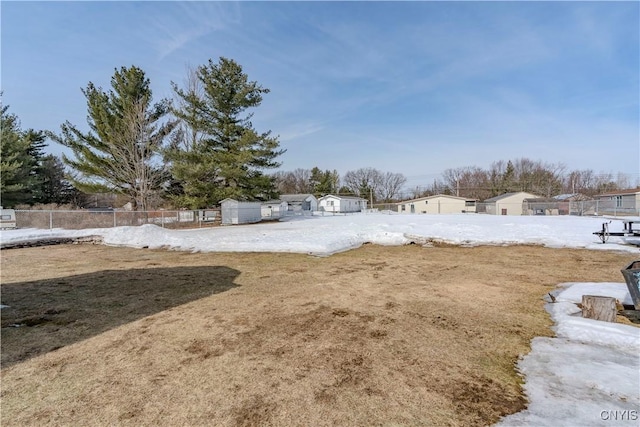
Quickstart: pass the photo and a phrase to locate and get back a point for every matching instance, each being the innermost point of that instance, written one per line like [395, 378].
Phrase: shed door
[504, 211]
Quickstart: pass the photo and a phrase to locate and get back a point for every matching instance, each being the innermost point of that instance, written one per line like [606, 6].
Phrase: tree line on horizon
[201, 147]
[471, 182]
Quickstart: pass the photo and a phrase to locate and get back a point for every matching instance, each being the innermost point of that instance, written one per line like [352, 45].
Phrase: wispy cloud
[297, 131]
[173, 26]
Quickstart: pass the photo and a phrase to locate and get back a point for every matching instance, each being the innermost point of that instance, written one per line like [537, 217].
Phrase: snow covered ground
[589, 374]
[325, 235]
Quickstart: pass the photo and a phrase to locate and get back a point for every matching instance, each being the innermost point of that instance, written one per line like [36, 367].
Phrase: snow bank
[589, 375]
[327, 235]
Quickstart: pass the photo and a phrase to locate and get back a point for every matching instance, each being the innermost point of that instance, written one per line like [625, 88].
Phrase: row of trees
[368, 183]
[307, 181]
[199, 150]
[27, 174]
[537, 177]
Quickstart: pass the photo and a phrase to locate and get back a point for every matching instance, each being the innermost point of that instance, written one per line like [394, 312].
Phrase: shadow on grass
[48, 314]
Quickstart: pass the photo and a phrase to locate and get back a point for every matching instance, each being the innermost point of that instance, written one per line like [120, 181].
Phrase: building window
[403, 208]
[618, 201]
[470, 203]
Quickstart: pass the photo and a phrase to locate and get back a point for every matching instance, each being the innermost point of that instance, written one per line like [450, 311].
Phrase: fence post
[50, 220]
[115, 223]
[162, 218]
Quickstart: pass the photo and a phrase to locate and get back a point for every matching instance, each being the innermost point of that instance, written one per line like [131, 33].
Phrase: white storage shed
[235, 212]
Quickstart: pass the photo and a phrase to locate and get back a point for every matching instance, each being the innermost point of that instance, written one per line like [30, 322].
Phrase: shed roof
[564, 196]
[296, 197]
[230, 200]
[342, 197]
[505, 195]
[621, 192]
[448, 196]
[570, 197]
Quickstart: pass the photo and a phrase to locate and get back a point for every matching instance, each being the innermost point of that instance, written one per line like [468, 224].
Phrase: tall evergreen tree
[509, 178]
[12, 158]
[229, 156]
[35, 152]
[20, 154]
[324, 182]
[54, 187]
[119, 154]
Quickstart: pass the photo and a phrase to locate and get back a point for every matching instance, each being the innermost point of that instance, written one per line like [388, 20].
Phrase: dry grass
[374, 336]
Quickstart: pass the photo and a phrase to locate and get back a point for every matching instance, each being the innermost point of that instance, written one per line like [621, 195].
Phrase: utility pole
[371, 196]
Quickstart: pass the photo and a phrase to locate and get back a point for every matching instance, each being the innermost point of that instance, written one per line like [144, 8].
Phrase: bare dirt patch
[374, 336]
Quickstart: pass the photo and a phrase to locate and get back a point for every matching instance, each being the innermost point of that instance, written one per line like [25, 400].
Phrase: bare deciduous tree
[139, 143]
[302, 181]
[372, 183]
[365, 182]
[285, 182]
[187, 136]
[469, 181]
[390, 186]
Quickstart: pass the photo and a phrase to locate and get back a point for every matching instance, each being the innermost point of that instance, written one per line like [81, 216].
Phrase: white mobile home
[438, 204]
[235, 212]
[344, 204]
[509, 203]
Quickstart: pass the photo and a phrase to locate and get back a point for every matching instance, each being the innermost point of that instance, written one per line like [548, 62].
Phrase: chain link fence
[81, 219]
[580, 208]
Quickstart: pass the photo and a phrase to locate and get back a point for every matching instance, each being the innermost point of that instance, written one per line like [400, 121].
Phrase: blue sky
[410, 87]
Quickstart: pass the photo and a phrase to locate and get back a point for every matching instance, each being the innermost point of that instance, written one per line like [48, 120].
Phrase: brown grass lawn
[374, 336]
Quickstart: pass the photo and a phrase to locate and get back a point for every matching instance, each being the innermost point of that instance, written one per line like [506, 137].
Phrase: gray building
[235, 212]
[300, 202]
